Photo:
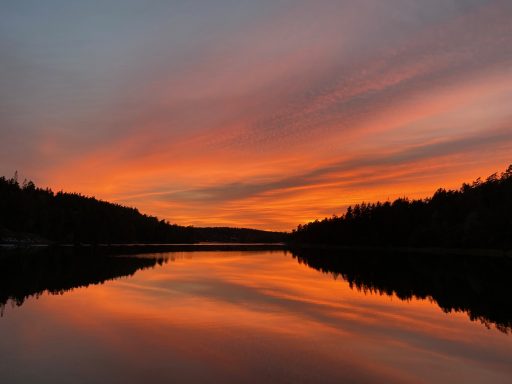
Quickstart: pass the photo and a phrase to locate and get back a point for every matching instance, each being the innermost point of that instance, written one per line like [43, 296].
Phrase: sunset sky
[261, 114]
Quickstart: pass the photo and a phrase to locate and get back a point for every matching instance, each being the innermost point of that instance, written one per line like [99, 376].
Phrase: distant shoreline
[118, 249]
[424, 250]
[226, 246]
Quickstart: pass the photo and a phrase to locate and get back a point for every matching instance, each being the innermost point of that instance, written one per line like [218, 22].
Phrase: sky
[262, 114]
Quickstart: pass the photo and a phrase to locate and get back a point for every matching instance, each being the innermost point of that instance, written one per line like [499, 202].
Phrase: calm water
[239, 316]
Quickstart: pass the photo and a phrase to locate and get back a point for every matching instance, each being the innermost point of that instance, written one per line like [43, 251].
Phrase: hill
[30, 214]
[478, 215]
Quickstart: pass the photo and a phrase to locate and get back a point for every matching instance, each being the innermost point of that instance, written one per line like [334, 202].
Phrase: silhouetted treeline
[30, 272]
[479, 286]
[478, 215]
[34, 214]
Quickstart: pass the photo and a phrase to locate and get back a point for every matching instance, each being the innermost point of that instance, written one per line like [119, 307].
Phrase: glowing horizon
[260, 115]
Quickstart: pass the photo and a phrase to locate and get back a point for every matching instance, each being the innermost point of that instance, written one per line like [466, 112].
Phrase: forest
[478, 215]
[35, 215]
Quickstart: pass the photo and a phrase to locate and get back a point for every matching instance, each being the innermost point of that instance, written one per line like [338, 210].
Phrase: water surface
[240, 316]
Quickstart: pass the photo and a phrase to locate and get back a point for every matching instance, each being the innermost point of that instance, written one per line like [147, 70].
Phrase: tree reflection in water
[479, 286]
[32, 272]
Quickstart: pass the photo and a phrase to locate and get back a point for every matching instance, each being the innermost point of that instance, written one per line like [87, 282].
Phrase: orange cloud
[289, 116]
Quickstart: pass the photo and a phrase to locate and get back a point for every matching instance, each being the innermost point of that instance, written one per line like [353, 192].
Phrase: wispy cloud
[254, 115]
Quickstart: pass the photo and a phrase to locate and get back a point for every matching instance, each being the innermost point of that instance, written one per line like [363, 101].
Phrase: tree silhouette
[478, 215]
[34, 214]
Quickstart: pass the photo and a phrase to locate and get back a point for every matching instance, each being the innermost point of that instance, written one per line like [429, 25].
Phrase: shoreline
[134, 248]
[236, 246]
[438, 251]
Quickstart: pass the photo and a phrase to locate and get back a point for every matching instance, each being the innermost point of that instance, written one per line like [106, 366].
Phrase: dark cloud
[241, 190]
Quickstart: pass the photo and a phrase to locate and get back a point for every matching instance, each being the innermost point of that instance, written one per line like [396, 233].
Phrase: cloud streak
[336, 172]
[249, 115]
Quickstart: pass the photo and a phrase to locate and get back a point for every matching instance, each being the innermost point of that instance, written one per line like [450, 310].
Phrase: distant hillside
[478, 215]
[235, 235]
[31, 214]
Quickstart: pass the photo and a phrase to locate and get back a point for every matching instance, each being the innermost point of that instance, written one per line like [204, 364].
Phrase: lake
[253, 315]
